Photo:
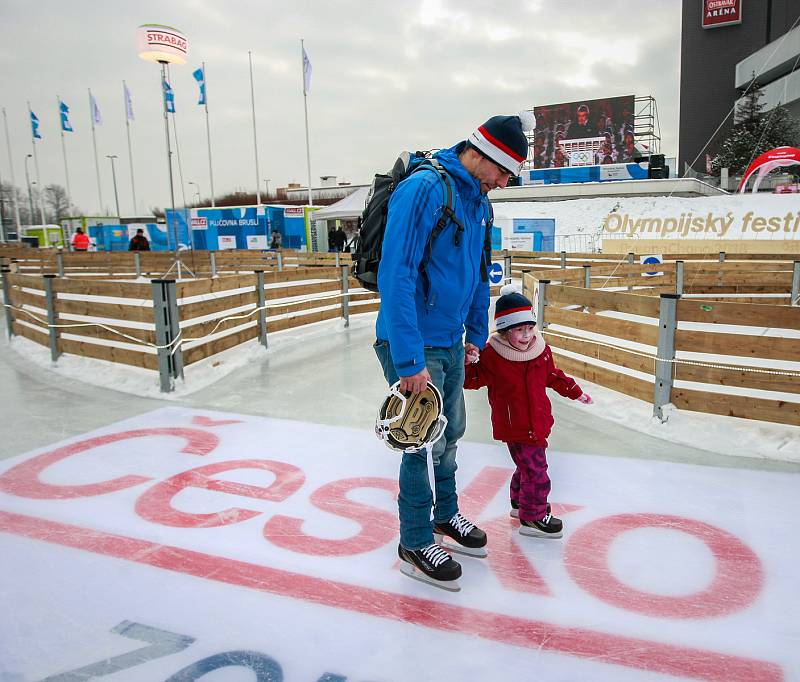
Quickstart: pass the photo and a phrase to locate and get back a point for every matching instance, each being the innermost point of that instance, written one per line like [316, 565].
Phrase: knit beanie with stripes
[502, 139]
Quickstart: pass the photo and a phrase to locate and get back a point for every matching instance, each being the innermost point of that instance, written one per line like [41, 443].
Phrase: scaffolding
[646, 126]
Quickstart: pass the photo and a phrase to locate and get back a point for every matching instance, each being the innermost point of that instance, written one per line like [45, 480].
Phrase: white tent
[352, 206]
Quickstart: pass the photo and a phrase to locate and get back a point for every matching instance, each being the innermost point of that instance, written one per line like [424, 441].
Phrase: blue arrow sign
[496, 273]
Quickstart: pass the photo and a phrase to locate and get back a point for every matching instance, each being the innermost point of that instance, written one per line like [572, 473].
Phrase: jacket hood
[468, 186]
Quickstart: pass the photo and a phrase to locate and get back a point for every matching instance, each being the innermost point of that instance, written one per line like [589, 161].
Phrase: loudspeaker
[658, 173]
[657, 161]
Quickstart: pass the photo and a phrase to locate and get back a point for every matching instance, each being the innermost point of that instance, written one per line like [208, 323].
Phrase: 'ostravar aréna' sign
[718, 13]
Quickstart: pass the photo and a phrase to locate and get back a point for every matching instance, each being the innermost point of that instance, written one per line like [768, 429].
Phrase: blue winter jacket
[457, 299]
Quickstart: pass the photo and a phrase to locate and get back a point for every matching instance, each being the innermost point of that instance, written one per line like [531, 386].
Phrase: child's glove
[471, 356]
[585, 398]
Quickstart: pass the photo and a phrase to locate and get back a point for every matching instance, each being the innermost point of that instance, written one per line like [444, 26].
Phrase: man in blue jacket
[422, 323]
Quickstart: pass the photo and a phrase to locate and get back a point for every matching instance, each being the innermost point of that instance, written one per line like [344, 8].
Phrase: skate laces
[435, 554]
[463, 526]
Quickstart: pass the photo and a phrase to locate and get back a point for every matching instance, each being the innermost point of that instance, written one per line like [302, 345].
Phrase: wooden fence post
[667, 323]
[7, 301]
[262, 310]
[345, 295]
[50, 302]
[541, 303]
[165, 312]
[796, 283]
[679, 277]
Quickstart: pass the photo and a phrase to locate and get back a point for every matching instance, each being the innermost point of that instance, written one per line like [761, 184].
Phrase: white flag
[306, 72]
[128, 102]
[96, 117]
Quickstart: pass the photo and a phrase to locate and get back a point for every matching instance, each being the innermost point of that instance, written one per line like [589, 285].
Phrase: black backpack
[368, 245]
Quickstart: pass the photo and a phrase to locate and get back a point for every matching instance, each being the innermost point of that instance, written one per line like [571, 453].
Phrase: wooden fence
[657, 345]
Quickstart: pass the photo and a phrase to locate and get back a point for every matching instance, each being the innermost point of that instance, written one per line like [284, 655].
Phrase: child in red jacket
[517, 366]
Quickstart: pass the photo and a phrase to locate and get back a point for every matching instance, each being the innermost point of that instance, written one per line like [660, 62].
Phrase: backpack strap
[487, 244]
[448, 214]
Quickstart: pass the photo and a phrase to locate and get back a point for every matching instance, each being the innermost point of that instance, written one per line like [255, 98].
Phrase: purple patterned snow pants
[530, 484]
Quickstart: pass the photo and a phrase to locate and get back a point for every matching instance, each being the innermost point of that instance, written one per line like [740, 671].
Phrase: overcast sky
[387, 76]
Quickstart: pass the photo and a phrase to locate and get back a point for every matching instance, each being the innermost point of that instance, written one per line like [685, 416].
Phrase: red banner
[718, 13]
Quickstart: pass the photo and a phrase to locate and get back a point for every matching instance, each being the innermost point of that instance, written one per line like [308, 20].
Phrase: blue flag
[95, 110]
[169, 98]
[200, 77]
[128, 102]
[35, 126]
[66, 126]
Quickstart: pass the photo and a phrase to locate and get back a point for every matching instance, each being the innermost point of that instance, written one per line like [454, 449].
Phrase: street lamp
[28, 182]
[114, 178]
[164, 45]
[197, 189]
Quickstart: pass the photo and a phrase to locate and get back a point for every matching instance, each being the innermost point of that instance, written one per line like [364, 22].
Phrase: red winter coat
[521, 410]
[80, 242]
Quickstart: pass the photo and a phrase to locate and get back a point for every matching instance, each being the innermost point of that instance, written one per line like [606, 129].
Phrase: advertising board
[717, 13]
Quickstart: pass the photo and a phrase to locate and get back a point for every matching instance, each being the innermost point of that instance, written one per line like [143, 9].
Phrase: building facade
[718, 63]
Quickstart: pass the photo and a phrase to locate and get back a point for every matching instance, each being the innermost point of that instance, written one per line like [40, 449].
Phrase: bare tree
[57, 202]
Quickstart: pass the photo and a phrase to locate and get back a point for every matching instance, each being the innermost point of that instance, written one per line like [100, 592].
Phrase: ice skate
[461, 536]
[430, 565]
[548, 527]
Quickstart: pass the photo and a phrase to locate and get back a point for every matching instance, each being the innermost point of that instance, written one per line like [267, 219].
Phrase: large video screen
[611, 119]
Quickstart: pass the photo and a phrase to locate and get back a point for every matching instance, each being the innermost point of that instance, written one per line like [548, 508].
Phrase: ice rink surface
[249, 532]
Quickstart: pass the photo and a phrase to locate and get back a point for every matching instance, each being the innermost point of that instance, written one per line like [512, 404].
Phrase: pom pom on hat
[510, 288]
[502, 139]
[528, 121]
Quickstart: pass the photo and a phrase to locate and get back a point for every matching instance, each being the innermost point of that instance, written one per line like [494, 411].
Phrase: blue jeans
[446, 367]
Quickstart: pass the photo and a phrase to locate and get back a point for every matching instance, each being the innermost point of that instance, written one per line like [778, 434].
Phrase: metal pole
[679, 277]
[721, 256]
[96, 162]
[28, 182]
[39, 185]
[631, 257]
[213, 257]
[170, 364]
[507, 261]
[280, 262]
[796, 284]
[305, 111]
[49, 296]
[7, 301]
[563, 260]
[262, 310]
[169, 169]
[13, 182]
[345, 295]
[130, 152]
[208, 137]
[137, 262]
[587, 276]
[60, 263]
[111, 157]
[176, 351]
[541, 303]
[255, 141]
[667, 323]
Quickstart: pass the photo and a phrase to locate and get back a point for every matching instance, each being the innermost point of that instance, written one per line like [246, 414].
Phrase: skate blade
[534, 533]
[450, 545]
[413, 572]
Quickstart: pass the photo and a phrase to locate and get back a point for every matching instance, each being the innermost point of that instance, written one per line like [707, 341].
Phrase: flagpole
[208, 133]
[255, 142]
[64, 152]
[305, 110]
[94, 144]
[169, 167]
[177, 148]
[36, 166]
[13, 182]
[130, 153]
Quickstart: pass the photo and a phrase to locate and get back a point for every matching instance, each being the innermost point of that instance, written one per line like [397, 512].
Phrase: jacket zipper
[531, 432]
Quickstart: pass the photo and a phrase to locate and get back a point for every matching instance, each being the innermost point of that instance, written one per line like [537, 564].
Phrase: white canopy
[352, 206]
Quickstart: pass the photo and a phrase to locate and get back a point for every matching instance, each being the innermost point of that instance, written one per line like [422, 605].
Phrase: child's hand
[471, 357]
[585, 398]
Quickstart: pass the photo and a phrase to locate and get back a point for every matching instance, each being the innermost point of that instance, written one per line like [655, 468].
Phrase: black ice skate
[548, 527]
[432, 565]
[459, 535]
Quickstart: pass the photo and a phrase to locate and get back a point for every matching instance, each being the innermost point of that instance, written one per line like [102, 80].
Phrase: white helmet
[409, 422]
